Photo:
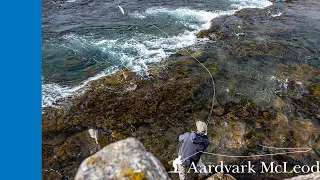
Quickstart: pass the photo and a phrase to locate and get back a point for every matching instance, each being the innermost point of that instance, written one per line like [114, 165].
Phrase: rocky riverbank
[267, 78]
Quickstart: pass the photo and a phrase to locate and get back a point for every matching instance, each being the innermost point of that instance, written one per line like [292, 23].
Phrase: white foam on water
[183, 14]
[104, 41]
[137, 15]
[191, 18]
[146, 48]
[52, 92]
[151, 49]
[240, 4]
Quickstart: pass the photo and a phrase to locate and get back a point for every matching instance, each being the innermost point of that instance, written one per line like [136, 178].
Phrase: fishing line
[53, 170]
[213, 84]
[212, 79]
[299, 150]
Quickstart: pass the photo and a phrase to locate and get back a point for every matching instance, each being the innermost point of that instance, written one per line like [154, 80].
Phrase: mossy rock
[257, 49]
[118, 113]
[185, 52]
[202, 34]
[182, 72]
[69, 153]
[315, 91]
[132, 175]
[219, 35]
[212, 67]
[298, 72]
[200, 54]
[185, 62]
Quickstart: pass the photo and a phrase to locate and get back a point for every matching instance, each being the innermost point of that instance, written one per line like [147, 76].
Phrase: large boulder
[125, 159]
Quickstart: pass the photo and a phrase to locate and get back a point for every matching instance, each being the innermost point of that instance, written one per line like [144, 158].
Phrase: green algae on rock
[63, 153]
[147, 112]
[202, 33]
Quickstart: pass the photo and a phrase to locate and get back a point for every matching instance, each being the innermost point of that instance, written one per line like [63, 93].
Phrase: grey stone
[121, 160]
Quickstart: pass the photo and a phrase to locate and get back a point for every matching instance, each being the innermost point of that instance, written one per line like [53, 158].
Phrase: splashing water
[125, 39]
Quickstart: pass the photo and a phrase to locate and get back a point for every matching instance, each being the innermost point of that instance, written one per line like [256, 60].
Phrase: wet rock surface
[66, 152]
[155, 109]
[266, 71]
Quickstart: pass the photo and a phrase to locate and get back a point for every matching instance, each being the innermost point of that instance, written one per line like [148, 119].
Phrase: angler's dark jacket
[192, 142]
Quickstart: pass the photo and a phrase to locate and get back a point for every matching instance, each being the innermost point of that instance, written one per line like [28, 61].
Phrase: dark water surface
[91, 38]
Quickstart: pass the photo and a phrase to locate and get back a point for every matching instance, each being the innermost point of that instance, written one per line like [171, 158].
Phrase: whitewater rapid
[136, 53]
